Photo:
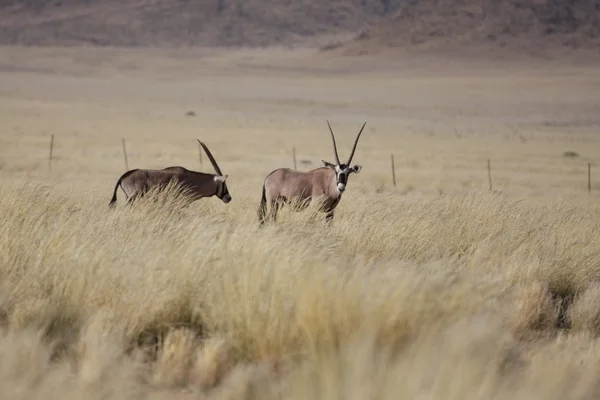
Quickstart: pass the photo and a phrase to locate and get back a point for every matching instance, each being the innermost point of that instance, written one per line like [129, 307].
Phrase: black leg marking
[329, 218]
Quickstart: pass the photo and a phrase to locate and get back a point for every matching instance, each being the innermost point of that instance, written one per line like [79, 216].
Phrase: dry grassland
[437, 288]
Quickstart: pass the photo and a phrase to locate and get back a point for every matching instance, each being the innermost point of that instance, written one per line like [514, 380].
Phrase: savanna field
[437, 287]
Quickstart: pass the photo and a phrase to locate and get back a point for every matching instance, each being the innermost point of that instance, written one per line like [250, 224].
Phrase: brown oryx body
[325, 184]
[137, 182]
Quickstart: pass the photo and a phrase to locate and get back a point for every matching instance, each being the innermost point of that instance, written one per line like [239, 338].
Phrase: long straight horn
[355, 143]
[337, 158]
[211, 158]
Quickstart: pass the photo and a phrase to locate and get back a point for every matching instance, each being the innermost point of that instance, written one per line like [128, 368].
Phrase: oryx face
[222, 191]
[342, 172]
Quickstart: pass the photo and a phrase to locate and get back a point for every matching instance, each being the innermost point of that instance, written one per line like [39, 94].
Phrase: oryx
[325, 184]
[137, 182]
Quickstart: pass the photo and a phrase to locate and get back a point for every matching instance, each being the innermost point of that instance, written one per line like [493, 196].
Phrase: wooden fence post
[294, 157]
[125, 154]
[393, 170]
[589, 177]
[51, 150]
[489, 168]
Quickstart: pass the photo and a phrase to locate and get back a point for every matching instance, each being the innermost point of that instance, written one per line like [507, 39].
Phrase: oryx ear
[356, 169]
[328, 165]
[220, 178]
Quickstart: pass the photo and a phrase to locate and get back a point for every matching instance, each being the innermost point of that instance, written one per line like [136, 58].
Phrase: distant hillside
[185, 22]
[528, 26]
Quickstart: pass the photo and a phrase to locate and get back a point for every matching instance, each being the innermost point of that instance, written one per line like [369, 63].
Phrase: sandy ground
[440, 121]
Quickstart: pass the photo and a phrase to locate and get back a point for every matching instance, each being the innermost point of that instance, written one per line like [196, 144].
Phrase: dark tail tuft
[113, 201]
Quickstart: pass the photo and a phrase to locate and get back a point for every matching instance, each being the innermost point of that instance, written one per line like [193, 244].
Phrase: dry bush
[175, 358]
[585, 311]
[534, 310]
[212, 363]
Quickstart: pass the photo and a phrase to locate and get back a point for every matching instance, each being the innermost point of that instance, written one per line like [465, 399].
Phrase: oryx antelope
[325, 184]
[137, 182]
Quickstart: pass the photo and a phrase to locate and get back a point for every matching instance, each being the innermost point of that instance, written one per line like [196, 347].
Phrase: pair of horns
[337, 158]
[211, 158]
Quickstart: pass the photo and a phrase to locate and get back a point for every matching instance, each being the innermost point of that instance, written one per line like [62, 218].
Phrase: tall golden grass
[454, 297]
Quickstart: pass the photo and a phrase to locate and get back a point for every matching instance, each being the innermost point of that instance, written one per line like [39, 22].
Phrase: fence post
[294, 157]
[51, 150]
[589, 177]
[489, 168]
[393, 170]
[125, 154]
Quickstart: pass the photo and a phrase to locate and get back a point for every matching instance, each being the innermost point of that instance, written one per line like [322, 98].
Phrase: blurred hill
[339, 26]
[185, 22]
[527, 26]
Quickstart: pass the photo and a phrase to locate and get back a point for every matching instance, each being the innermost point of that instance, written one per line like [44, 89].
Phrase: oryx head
[342, 171]
[220, 179]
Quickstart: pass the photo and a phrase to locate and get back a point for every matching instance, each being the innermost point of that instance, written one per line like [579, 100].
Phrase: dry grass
[437, 288]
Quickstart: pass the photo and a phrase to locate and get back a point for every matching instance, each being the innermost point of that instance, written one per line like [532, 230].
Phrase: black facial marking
[225, 191]
[219, 191]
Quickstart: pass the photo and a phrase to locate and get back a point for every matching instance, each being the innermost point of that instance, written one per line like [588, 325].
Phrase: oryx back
[286, 184]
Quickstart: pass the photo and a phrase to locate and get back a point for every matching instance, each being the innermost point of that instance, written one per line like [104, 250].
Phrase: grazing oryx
[137, 182]
[325, 184]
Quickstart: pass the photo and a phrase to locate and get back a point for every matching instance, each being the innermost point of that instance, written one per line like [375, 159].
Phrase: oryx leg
[329, 217]
[276, 205]
[135, 196]
[132, 199]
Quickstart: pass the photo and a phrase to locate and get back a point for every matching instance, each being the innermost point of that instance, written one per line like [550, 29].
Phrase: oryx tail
[125, 175]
